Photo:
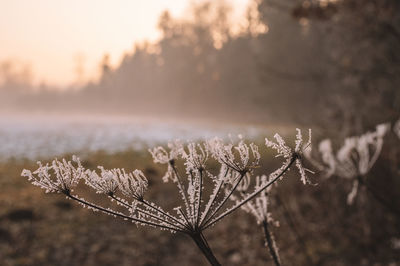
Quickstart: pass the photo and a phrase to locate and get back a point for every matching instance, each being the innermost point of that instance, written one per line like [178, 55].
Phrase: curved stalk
[144, 202]
[202, 244]
[225, 199]
[147, 213]
[120, 214]
[270, 243]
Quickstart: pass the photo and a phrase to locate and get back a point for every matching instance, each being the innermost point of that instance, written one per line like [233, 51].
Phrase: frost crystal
[132, 184]
[356, 157]
[104, 183]
[258, 207]
[286, 152]
[196, 157]
[248, 155]
[160, 155]
[202, 205]
[59, 177]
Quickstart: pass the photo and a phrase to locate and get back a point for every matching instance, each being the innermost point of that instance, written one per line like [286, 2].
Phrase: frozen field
[37, 137]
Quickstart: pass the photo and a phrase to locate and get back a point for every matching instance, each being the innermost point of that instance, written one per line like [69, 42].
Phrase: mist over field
[219, 72]
[42, 136]
[331, 64]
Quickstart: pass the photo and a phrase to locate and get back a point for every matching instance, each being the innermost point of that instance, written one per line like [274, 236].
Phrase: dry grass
[44, 229]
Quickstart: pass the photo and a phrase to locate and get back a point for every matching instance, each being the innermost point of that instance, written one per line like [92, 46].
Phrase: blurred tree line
[330, 62]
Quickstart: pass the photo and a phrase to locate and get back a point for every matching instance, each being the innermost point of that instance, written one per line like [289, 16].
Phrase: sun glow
[64, 41]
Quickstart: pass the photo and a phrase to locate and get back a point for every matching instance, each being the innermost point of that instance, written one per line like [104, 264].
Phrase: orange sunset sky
[54, 36]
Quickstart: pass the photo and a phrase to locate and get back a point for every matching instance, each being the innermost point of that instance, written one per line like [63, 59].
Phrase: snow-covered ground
[41, 136]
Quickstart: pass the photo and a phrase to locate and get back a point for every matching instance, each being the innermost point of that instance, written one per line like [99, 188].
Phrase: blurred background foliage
[320, 62]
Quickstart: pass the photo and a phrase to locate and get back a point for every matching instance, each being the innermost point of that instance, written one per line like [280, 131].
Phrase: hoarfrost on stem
[104, 183]
[258, 207]
[286, 152]
[354, 159]
[201, 208]
[160, 155]
[59, 176]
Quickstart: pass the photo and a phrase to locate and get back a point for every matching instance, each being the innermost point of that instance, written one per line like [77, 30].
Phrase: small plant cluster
[206, 195]
[354, 159]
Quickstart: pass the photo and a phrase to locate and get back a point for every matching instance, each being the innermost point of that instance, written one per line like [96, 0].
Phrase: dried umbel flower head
[286, 152]
[258, 205]
[354, 159]
[241, 157]
[104, 183]
[195, 157]
[59, 176]
[160, 155]
[132, 184]
[199, 210]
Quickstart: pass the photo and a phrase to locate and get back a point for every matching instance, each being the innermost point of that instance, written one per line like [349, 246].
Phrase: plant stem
[114, 213]
[144, 202]
[269, 239]
[250, 196]
[201, 243]
[180, 186]
[199, 202]
[147, 213]
[211, 202]
[225, 199]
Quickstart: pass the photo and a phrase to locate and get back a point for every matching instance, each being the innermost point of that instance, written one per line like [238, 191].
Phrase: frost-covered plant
[353, 160]
[199, 210]
[286, 152]
[258, 207]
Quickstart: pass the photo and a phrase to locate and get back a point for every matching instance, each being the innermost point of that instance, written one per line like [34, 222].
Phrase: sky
[53, 37]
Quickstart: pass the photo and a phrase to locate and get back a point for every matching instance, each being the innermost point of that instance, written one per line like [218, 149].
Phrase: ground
[317, 227]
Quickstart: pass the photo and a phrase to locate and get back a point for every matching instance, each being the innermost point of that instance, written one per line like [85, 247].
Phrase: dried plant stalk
[197, 211]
